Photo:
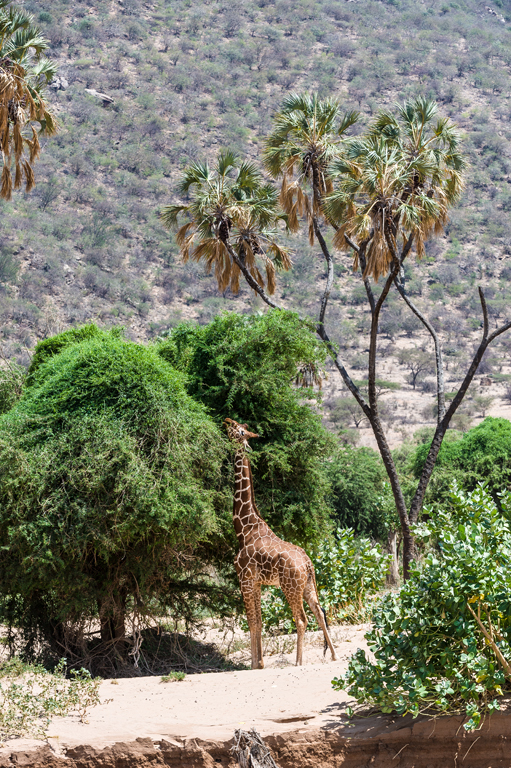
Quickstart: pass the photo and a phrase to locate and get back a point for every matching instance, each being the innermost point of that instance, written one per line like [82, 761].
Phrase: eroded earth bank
[144, 722]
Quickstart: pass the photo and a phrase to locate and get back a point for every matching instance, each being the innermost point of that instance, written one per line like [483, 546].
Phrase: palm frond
[196, 173]
[170, 213]
[349, 119]
[227, 160]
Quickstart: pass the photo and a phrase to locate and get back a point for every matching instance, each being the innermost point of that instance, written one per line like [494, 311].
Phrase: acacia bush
[245, 368]
[116, 479]
[358, 482]
[481, 454]
[431, 652]
[111, 499]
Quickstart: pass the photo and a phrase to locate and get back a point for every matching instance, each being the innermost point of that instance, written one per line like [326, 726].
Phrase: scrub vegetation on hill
[187, 78]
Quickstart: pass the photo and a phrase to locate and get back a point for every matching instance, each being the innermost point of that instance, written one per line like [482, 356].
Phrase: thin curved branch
[440, 385]
[248, 277]
[355, 391]
[361, 251]
[458, 398]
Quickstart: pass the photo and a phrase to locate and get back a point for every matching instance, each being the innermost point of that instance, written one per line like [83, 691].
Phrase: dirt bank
[144, 722]
[377, 742]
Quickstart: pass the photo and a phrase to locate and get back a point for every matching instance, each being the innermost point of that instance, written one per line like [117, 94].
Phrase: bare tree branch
[442, 427]
[399, 283]
[250, 280]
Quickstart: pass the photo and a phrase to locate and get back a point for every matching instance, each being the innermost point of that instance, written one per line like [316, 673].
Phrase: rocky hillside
[145, 87]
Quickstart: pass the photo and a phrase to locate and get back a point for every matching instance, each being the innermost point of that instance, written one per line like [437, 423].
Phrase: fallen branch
[250, 751]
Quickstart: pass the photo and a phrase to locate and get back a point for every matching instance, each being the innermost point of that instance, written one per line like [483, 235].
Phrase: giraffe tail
[312, 574]
[325, 644]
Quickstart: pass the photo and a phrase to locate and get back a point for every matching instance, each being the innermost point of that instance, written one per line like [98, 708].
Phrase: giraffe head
[239, 433]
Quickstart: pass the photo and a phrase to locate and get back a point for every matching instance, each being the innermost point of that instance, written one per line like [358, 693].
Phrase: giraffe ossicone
[265, 559]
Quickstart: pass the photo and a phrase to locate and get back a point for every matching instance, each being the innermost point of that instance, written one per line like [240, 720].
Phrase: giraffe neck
[245, 514]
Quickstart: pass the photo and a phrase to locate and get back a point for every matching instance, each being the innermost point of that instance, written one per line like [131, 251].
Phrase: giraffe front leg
[249, 592]
[295, 599]
[259, 627]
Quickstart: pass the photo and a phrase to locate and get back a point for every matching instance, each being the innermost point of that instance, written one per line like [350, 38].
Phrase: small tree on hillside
[417, 362]
[382, 194]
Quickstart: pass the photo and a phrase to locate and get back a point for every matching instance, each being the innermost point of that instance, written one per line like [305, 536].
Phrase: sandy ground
[275, 700]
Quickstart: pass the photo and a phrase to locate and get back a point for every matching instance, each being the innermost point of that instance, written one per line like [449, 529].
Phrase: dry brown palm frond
[29, 176]
[182, 234]
[34, 145]
[223, 268]
[311, 232]
[309, 375]
[270, 277]
[17, 140]
[292, 220]
[18, 178]
[235, 278]
[6, 189]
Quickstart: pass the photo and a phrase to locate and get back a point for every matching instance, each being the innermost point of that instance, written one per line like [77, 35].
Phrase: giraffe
[263, 558]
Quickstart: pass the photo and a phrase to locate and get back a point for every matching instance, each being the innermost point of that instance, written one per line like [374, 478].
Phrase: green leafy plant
[443, 644]
[350, 572]
[30, 696]
[173, 677]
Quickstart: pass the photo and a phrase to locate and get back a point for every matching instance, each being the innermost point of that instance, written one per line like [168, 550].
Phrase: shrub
[111, 499]
[349, 574]
[245, 368]
[357, 477]
[483, 454]
[431, 652]
[30, 696]
[12, 379]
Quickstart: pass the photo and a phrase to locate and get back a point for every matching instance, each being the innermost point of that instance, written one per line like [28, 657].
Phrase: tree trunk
[112, 617]
[393, 574]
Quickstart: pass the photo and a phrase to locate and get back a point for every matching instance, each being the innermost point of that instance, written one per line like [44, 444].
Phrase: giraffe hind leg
[313, 603]
[294, 598]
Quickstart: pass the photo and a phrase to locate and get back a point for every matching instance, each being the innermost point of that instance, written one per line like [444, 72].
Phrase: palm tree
[232, 224]
[306, 138]
[24, 73]
[398, 181]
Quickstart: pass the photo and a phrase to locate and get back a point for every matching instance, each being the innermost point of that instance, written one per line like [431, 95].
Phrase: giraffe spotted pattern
[263, 558]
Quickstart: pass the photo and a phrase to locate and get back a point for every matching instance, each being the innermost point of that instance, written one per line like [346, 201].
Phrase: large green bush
[483, 454]
[245, 368]
[431, 654]
[357, 477]
[111, 497]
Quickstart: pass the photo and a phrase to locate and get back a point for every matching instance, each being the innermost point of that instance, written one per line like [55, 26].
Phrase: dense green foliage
[357, 477]
[110, 473]
[55, 344]
[12, 380]
[483, 454]
[115, 474]
[244, 368]
[350, 571]
[430, 652]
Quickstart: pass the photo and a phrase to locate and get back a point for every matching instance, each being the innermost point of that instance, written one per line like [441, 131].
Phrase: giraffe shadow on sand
[264, 559]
